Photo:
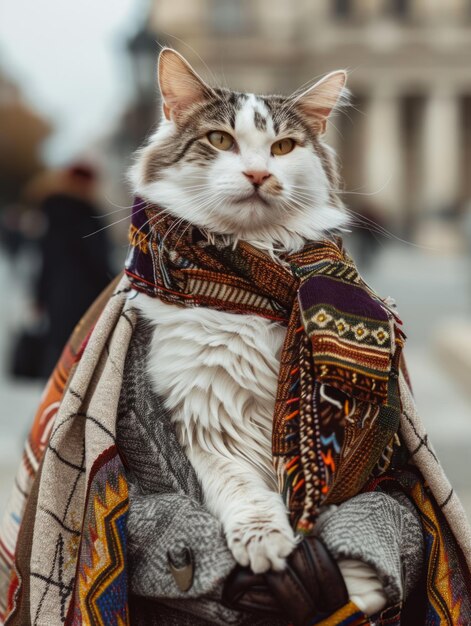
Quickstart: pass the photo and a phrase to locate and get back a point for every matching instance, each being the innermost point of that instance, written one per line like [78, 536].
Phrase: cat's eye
[220, 140]
[283, 146]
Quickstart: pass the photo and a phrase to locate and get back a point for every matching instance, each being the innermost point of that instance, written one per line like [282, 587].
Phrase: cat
[252, 168]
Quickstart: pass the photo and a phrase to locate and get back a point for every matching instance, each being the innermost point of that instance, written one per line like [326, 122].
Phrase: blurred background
[78, 95]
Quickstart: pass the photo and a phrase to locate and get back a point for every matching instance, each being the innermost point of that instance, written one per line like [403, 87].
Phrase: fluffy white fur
[218, 371]
[218, 374]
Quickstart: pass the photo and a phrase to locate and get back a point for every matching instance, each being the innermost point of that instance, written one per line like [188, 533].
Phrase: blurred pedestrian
[74, 259]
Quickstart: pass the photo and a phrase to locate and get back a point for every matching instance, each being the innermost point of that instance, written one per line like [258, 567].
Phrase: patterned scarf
[337, 407]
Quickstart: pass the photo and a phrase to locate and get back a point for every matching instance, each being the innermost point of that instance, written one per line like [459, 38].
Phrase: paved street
[430, 292]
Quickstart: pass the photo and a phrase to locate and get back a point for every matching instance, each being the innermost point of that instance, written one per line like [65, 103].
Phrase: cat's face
[246, 166]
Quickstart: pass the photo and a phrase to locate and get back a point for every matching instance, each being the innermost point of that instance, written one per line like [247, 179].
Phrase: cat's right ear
[180, 85]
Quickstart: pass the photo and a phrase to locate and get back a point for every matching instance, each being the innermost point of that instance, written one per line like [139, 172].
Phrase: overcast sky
[67, 56]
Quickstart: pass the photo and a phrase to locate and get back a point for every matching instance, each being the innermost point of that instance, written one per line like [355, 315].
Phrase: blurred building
[407, 139]
[22, 132]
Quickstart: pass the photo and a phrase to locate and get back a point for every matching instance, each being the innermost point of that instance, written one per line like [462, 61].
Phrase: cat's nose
[257, 177]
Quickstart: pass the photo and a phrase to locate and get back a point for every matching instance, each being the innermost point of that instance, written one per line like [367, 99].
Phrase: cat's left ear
[318, 102]
[180, 85]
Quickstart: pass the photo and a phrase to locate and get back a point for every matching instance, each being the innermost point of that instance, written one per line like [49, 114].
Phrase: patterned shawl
[344, 422]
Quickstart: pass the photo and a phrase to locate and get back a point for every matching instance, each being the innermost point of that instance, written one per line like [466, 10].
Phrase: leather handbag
[310, 587]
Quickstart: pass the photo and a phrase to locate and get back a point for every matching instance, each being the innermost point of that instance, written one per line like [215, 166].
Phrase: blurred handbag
[28, 351]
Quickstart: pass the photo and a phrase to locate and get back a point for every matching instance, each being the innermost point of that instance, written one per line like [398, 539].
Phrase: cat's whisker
[301, 205]
[127, 218]
[118, 206]
[104, 215]
[372, 226]
[173, 226]
[347, 191]
[215, 201]
[303, 208]
[202, 202]
[356, 218]
[140, 229]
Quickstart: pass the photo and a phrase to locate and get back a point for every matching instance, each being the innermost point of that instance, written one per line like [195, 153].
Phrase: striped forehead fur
[220, 110]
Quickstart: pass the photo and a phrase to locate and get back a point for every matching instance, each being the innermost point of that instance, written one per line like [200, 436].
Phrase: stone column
[367, 9]
[382, 154]
[441, 165]
[437, 11]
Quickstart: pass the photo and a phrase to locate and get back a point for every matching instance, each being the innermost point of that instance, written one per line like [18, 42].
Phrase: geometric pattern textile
[101, 580]
[447, 580]
[69, 565]
[344, 422]
[348, 615]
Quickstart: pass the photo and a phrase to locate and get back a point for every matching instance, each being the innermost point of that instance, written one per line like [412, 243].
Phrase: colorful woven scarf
[337, 407]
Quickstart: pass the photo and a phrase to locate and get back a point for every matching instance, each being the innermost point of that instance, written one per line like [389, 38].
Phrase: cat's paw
[261, 544]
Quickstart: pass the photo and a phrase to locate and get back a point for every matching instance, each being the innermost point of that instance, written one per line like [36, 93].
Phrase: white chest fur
[218, 375]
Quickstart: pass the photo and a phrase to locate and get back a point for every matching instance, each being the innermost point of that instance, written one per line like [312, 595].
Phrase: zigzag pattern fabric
[101, 579]
[342, 395]
[67, 531]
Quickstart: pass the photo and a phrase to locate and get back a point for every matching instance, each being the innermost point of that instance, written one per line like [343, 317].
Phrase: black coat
[74, 268]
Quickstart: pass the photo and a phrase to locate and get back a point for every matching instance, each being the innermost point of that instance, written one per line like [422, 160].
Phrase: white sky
[67, 56]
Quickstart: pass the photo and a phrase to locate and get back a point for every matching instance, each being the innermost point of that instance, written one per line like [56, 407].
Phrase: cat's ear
[318, 102]
[180, 85]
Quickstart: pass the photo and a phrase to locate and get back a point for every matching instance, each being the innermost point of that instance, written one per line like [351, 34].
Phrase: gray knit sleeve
[162, 528]
[167, 519]
[381, 530]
